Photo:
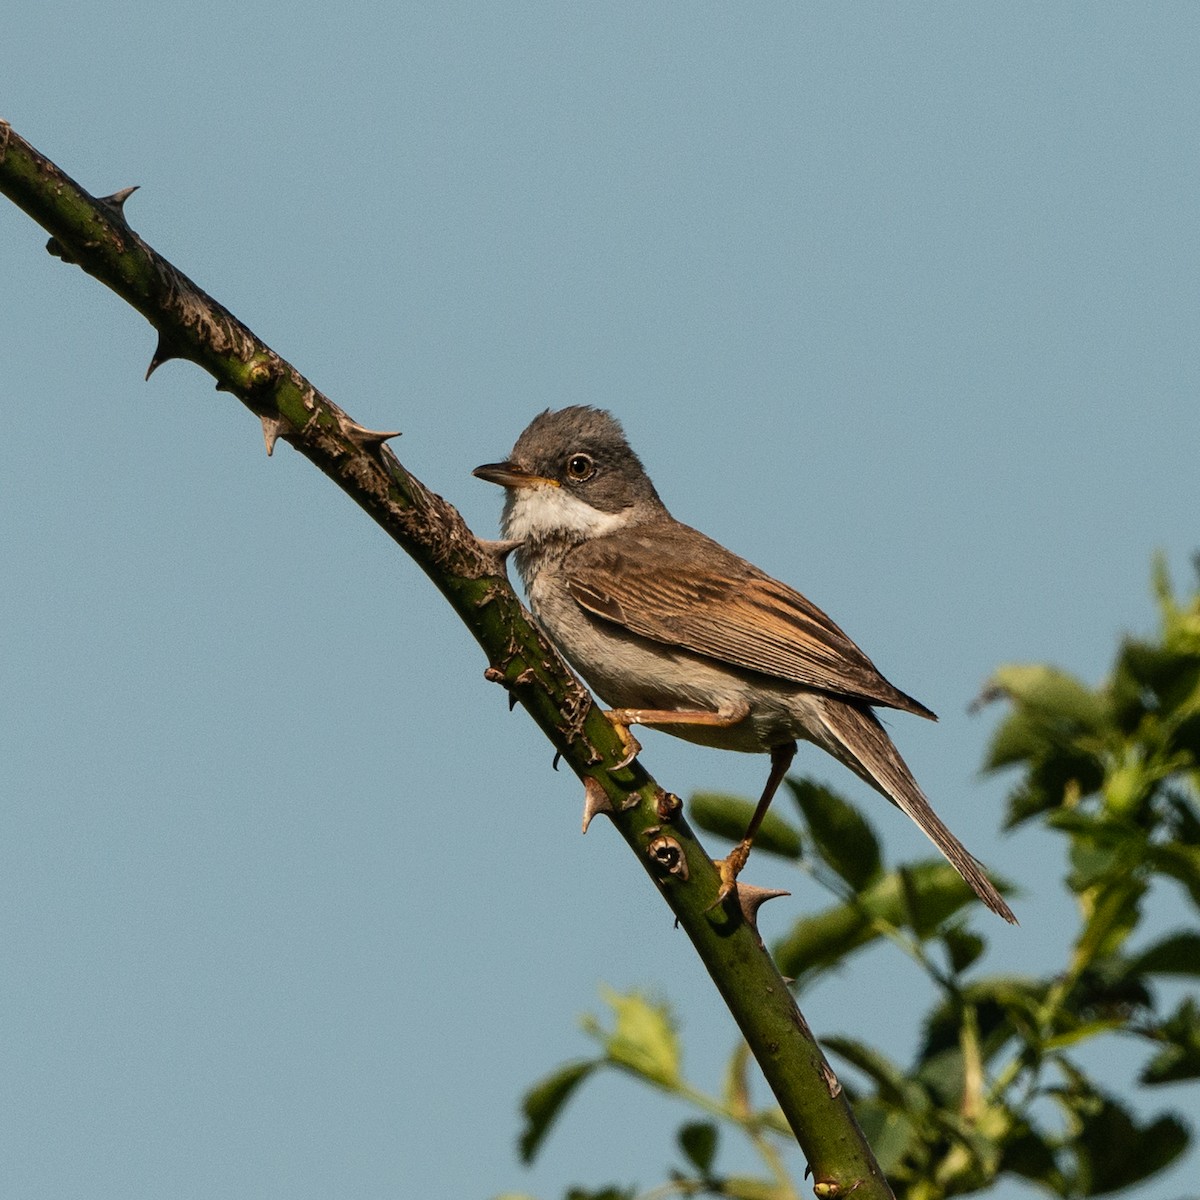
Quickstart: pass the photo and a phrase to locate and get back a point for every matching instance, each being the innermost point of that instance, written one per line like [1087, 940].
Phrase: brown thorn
[751, 899]
[272, 428]
[595, 800]
[501, 549]
[163, 352]
[369, 439]
[117, 200]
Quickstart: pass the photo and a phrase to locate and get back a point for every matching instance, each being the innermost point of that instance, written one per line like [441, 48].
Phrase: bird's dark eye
[580, 467]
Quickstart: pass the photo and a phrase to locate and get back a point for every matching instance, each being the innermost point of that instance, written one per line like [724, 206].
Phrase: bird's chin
[544, 511]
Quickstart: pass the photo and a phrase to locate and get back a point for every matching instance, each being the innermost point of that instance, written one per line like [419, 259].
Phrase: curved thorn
[595, 800]
[117, 200]
[272, 427]
[369, 438]
[163, 352]
[751, 899]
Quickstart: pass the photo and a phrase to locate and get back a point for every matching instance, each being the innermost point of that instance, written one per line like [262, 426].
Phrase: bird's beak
[511, 476]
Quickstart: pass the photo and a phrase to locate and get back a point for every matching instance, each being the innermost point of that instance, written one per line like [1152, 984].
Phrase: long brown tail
[864, 746]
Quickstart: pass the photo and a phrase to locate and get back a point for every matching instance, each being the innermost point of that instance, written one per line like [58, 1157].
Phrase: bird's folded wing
[728, 610]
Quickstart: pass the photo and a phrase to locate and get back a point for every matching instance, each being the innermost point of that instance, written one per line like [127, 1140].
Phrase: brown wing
[728, 610]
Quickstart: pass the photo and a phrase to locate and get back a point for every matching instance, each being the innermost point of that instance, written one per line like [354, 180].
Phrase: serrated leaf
[643, 1039]
[1176, 954]
[545, 1100]
[842, 835]
[698, 1141]
[729, 817]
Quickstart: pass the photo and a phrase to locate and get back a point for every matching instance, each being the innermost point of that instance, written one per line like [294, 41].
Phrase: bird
[675, 632]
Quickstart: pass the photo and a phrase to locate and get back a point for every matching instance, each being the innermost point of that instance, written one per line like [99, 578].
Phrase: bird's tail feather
[864, 746]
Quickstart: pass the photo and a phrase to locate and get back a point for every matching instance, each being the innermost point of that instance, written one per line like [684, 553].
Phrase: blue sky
[898, 301]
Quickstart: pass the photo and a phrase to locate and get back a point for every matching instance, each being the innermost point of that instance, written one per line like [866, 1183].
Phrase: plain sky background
[898, 301]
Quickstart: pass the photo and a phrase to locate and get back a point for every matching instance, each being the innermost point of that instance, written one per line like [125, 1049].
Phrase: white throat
[544, 511]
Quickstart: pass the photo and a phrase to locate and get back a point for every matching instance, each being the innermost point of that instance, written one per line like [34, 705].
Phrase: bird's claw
[629, 743]
[729, 868]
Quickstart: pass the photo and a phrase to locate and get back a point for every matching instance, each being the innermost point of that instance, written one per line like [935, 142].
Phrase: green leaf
[840, 832]
[1110, 914]
[817, 943]
[736, 1089]
[1184, 819]
[889, 1131]
[1019, 738]
[698, 1141]
[1054, 696]
[942, 1076]
[1176, 954]
[1179, 1059]
[925, 904]
[1113, 1151]
[643, 1039]
[729, 817]
[1179, 862]
[746, 1187]
[1031, 1156]
[893, 1085]
[962, 947]
[545, 1100]
[1005, 1007]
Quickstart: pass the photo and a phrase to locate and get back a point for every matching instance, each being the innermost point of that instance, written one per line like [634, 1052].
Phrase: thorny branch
[95, 234]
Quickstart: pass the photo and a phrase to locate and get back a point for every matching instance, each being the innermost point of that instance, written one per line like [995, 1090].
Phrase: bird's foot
[729, 868]
[631, 746]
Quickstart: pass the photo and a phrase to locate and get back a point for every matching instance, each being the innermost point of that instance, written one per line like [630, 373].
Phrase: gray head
[572, 474]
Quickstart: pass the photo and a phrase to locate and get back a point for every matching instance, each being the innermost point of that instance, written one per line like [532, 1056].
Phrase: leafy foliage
[997, 1087]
